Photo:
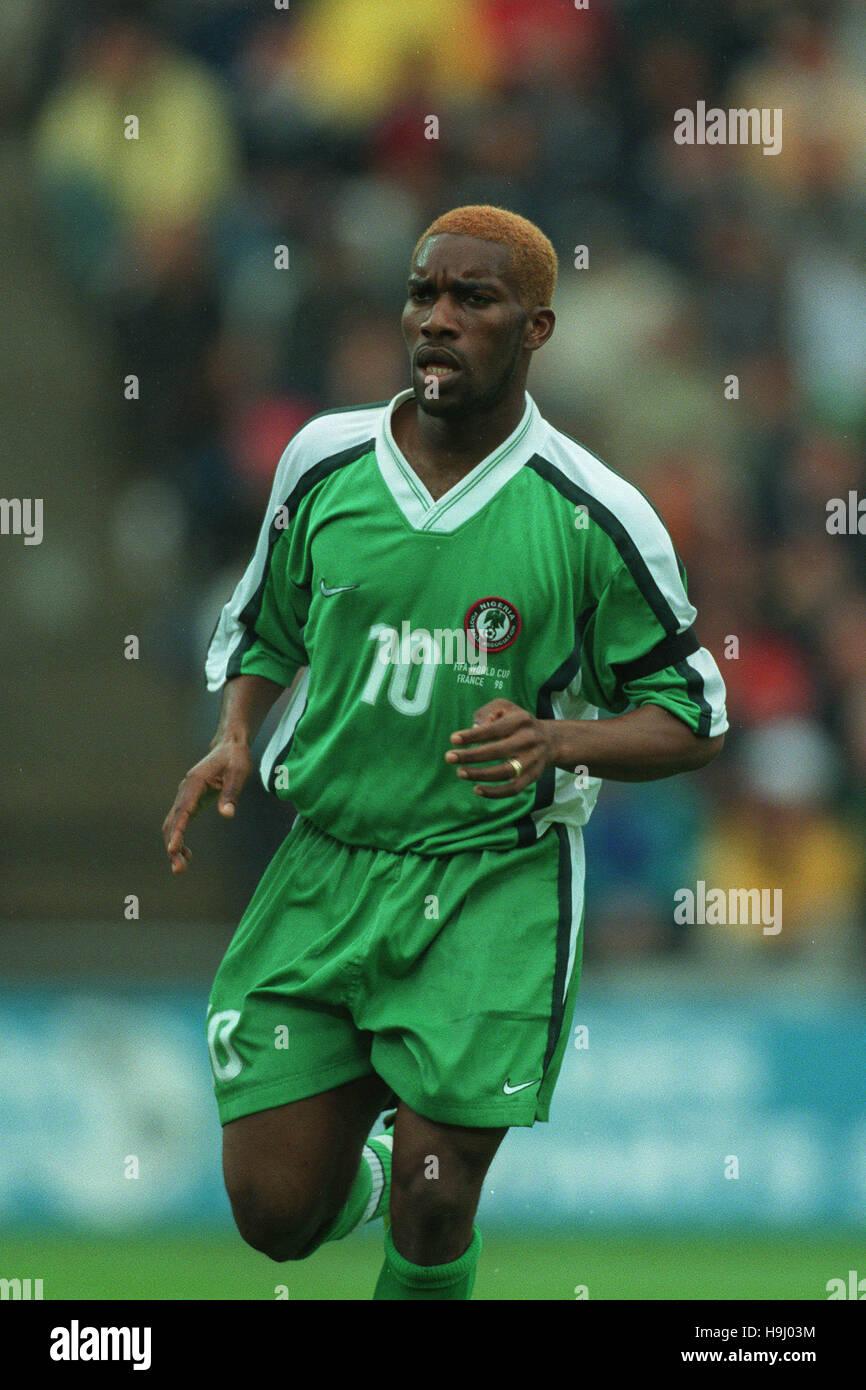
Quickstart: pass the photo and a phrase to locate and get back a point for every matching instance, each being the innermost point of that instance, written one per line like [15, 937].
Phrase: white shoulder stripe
[318, 439]
[633, 512]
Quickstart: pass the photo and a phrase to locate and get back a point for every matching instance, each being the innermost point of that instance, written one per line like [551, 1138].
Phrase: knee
[283, 1226]
[429, 1213]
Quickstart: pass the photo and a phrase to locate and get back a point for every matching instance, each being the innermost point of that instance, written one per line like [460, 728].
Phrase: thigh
[307, 1151]
[437, 1175]
[457, 1156]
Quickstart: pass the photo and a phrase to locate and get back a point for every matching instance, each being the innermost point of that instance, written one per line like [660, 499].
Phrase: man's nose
[440, 318]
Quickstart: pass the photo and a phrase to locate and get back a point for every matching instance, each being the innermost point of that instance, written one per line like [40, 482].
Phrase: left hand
[502, 730]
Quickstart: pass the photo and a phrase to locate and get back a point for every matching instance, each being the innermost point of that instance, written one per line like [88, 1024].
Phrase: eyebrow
[487, 286]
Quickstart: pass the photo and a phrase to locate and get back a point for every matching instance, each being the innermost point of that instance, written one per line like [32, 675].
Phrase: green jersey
[541, 577]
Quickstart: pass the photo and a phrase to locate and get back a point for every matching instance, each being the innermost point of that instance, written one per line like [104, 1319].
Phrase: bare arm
[246, 700]
[639, 746]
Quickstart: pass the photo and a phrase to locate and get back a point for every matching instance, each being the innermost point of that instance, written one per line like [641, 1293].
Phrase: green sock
[371, 1190]
[402, 1280]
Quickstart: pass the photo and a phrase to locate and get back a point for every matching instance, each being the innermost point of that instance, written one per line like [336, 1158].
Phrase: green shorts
[454, 978]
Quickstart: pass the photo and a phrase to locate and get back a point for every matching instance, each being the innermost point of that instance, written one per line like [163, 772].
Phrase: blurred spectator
[780, 835]
[129, 200]
[805, 72]
[355, 51]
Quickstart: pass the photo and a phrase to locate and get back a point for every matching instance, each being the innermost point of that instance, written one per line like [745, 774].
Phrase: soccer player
[458, 588]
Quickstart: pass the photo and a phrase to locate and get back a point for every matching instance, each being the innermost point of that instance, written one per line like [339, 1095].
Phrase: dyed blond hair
[533, 259]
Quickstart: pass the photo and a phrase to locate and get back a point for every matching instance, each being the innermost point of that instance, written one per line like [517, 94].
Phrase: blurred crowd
[710, 344]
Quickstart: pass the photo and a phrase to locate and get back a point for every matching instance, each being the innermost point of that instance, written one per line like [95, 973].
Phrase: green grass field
[612, 1266]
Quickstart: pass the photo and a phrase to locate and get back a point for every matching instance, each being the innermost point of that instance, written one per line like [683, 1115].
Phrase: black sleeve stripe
[235, 661]
[668, 652]
[695, 687]
[613, 527]
[305, 485]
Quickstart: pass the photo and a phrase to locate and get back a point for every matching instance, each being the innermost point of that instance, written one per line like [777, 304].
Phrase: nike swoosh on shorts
[341, 589]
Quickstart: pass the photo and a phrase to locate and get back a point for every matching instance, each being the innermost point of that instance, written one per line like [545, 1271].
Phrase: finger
[500, 728]
[185, 808]
[502, 772]
[175, 836]
[168, 827]
[494, 709]
[512, 788]
[181, 821]
[231, 790]
[490, 752]
[168, 823]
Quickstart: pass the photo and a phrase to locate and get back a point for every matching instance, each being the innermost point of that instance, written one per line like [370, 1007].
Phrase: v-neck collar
[468, 495]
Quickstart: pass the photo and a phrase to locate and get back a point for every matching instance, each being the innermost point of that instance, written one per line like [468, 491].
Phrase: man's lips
[436, 362]
[440, 371]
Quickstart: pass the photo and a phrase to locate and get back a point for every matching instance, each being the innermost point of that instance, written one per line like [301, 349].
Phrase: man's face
[464, 325]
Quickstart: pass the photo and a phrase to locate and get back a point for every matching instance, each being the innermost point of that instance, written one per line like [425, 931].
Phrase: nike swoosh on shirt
[342, 589]
[510, 1090]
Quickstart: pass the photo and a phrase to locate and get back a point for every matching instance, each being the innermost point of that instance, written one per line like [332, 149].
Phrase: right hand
[224, 771]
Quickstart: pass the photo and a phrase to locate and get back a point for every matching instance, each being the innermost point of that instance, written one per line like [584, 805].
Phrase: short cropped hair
[533, 259]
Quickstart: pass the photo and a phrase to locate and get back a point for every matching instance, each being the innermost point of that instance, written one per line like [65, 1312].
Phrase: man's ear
[539, 328]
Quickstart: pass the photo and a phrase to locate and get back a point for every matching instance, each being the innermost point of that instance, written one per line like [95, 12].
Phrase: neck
[453, 446]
